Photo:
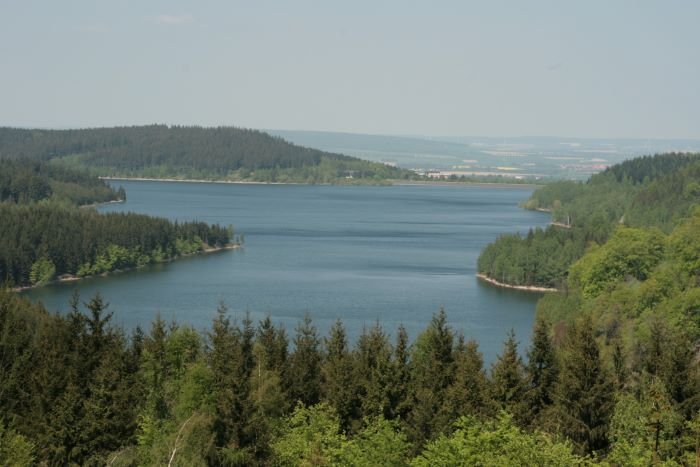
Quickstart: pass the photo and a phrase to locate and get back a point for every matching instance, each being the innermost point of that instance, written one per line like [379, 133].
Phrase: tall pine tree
[508, 379]
[542, 371]
[584, 394]
[305, 364]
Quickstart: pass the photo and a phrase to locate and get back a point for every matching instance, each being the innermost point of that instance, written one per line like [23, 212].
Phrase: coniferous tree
[339, 379]
[110, 407]
[374, 372]
[222, 361]
[155, 365]
[432, 373]
[400, 377]
[268, 389]
[508, 384]
[469, 392]
[619, 364]
[305, 364]
[680, 375]
[584, 394]
[669, 355]
[541, 371]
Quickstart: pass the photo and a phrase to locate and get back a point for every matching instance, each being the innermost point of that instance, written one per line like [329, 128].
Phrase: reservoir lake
[359, 253]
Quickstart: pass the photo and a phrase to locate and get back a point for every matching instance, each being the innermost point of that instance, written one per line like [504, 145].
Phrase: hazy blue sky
[562, 68]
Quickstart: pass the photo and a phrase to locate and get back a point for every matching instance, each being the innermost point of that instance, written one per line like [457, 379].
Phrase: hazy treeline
[161, 151]
[652, 191]
[24, 180]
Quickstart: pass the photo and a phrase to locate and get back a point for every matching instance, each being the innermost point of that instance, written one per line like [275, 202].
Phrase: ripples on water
[362, 254]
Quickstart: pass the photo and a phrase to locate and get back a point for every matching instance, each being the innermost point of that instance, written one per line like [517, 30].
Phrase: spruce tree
[243, 434]
[400, 377]
[305, 364]
[223, 341]
[268, 390]
[584, 393]
[541, 371]
[469, 392]
[155, 366]
[508, 382]
[374, 372]
[432, 373]
[339, 379]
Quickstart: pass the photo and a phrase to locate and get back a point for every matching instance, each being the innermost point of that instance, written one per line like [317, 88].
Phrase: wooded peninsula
[45, 236]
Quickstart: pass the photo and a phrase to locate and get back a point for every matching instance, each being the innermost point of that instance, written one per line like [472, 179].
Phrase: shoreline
[97, 205]
[63, 278]
[391, 182]
[477, 184]
[195, 180]
[527, 288]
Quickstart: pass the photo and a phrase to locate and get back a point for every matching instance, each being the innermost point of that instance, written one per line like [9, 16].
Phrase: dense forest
[601, 389]
[160, 151]
[652, 191]
[45, 235]
[611, 375]
[40, 242]
[25, 181]
[239, 396]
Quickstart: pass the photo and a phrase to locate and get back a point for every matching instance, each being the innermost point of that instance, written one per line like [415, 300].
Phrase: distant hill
[404, 151]
[161, 151]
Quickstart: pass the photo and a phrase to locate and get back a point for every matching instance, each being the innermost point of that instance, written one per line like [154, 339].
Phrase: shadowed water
[362, 254]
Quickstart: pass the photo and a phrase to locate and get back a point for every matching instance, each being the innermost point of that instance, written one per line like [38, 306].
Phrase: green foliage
[33, 237]
[645, 192]
[379, 380]
[310, 436]
[584, 393]
[79, 392]
[542, 372]
[339, 380]
[42, 271]
[508, 383]
[381, 442]
[305, 365]
[432, 370]
[469, 393]
[15, 449]
[496, 443]
[630, 253]
[540, 258]
[28, 181]
[634, 427]
[684, 244]
[159, 151]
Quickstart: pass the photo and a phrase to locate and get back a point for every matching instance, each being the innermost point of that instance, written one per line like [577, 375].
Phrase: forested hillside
[631, 275]
[611, 375]
[160, 151]
[44, 235]
[24, 181]
[653, 191]
[41, 242]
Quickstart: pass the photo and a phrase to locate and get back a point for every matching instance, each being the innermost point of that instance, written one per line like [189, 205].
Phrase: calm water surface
[362, 254]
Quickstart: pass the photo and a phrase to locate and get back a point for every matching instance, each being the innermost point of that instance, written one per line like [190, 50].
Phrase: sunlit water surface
[393, 254]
